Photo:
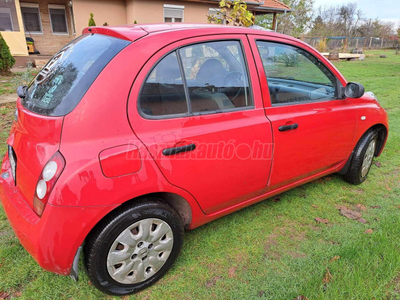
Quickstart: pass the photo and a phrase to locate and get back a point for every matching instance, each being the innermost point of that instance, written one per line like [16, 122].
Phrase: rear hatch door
[33, 140]
[54, 92]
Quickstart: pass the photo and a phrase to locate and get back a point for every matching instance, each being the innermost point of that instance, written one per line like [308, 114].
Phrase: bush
[321, 46]
[290, 59]
[6, 59]
[91, 20]
[232, 12]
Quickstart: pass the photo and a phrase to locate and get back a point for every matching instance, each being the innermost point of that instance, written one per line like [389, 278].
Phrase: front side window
[214, 79]
[31, 17]
[58, 19]
[60, 85]
[294, 75]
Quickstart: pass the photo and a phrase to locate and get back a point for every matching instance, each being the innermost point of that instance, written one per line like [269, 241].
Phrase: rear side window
[216, 76]
[61, 84]
[163, 93]
[200, 78]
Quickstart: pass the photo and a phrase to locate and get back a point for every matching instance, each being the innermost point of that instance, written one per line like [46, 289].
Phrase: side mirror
[354, 90]
[21, 91]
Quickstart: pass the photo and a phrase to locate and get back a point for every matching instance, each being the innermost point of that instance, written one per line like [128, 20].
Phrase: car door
[193, 106]
[313, 129]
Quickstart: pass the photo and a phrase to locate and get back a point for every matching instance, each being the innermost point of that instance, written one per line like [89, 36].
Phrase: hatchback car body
[129, 135]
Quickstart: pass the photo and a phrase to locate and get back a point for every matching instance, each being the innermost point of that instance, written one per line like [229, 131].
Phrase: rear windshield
[60, 85]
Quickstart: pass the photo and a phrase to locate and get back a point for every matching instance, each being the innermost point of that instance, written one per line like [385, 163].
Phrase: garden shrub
[91, 20]
[6, 59]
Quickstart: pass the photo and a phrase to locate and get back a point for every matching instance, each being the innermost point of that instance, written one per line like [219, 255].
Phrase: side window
[215, 79]
[216, 76]
[164, 93]
[294, 75]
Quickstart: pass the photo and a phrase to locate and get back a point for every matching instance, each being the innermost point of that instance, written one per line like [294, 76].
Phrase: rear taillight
[51, 172]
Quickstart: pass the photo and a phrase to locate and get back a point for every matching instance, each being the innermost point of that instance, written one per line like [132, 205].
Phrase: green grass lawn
[9, 84]
[274, 249]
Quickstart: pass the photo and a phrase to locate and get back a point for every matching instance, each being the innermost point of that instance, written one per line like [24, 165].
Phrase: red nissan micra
[130, 135]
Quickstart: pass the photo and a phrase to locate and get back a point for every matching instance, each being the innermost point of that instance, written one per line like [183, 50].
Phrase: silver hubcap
[369, 155]
[140, 251]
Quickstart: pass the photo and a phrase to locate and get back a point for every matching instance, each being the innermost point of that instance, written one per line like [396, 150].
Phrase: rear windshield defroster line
[60, 85]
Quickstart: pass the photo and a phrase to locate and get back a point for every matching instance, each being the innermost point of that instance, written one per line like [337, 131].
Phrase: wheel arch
[382, 137]
[177, 202]
[382, 131]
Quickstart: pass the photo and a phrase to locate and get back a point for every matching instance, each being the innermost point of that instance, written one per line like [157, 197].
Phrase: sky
[385, 10]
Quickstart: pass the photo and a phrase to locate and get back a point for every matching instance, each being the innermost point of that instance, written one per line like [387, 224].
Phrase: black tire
[100, 241]
[354, 174]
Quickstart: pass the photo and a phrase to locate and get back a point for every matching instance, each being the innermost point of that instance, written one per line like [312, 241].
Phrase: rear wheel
[134, 248]
[362, 158]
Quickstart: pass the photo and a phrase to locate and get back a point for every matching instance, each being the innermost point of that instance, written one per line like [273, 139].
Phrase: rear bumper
[53, 239]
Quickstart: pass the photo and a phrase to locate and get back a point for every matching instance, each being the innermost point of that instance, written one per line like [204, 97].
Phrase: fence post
[382, 43]
[370, 43]
[345, 45]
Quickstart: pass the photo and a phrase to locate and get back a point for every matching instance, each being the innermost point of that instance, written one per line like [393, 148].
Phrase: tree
[318, 23]
[6, 59]
[297, 22]
[232, 13]
[91, 20]
[264, 21]
[294, 23]
[325, 23]
[348, 19]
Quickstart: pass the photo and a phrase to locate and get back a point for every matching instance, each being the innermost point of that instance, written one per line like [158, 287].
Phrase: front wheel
[134, 248]
[362, 158]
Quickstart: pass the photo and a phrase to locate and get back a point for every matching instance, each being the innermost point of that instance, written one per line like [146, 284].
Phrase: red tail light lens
[50, 174]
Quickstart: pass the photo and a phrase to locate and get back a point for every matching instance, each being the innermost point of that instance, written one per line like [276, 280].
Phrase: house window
[58, 19]
[5, 20]
[8, 16]
[214, 12]
[173, 13]
[31, 17]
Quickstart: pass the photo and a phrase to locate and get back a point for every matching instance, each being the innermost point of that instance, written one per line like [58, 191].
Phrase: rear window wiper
[21, 91]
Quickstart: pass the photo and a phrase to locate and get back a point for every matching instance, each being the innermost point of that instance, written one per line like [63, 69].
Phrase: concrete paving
[8, 98]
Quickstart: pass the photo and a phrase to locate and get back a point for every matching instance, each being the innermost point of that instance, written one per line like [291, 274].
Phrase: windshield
[60, 85]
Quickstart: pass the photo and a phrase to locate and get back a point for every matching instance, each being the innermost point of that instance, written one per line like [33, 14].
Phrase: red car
[130, 135]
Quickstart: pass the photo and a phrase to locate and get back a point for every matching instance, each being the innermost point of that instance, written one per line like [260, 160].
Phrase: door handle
[176, 150]
[288, 127]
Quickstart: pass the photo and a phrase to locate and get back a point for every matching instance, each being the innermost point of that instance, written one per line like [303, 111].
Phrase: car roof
[134, 32]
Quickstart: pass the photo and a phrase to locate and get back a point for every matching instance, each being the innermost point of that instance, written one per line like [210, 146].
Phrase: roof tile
[263, 4]
[274, 4]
